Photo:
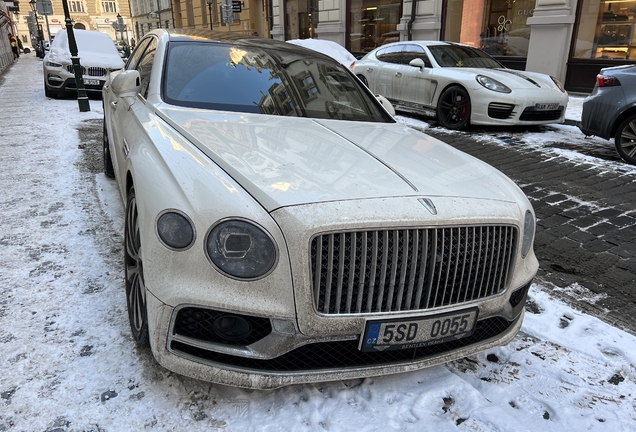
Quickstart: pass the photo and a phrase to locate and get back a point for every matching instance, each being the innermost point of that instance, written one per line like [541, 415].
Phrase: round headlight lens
[241, 249]
[492, 84]
[528, 233]
[175, 230]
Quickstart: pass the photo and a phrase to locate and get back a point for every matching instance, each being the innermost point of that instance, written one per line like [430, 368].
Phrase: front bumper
[287, 357]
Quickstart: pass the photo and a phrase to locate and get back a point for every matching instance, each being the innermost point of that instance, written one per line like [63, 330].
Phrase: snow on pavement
[69, 363]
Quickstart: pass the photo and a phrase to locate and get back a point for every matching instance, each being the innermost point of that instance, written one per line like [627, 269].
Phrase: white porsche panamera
[460, 85]
[282, 228]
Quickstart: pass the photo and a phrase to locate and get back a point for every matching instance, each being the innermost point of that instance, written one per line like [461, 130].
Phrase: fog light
[517, 296]
[231, 327]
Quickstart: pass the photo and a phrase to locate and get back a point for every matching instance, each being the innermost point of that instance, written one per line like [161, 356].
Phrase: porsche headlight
[558, 84]
[175, 230]
[241, 249]
[492, 84]
[528, 234]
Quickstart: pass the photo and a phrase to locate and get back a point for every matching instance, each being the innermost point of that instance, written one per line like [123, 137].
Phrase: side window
[139, 50]
[412, 52]
[144, 66]
[391, 54]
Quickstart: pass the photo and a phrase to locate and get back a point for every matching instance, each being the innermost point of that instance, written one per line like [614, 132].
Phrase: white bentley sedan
[282, 228]
[460, 85]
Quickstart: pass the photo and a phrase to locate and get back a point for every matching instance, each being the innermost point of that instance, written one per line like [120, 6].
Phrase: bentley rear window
[276, 82]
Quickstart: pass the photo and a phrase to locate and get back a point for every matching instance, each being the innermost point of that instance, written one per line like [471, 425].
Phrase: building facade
[148, 15]
[86, 15]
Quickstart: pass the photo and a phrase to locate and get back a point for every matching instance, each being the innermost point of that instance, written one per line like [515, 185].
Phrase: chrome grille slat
[409, 269]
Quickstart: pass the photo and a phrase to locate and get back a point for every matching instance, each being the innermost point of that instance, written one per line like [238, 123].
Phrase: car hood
[284, 161]
[512, 78]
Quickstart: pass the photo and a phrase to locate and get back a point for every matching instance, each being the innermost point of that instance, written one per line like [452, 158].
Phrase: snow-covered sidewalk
[69, 363]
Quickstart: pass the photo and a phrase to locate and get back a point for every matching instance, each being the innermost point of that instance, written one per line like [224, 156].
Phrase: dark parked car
[610, 111]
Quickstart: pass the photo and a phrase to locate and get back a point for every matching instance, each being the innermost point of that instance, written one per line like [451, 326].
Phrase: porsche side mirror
[418, 63]
[386, 104]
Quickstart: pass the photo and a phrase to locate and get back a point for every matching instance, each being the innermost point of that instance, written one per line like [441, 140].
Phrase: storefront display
[606, 31]
[373, 23]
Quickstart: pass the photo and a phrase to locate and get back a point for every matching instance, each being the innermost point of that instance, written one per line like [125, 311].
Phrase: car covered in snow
[97, 54]
[460, 85]
[282, 228]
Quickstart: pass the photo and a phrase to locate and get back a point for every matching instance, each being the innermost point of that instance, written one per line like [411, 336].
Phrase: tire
[453, 108]
[48, 93]
[364, 80]
[109, 171]
[625, 140]
[135, 285]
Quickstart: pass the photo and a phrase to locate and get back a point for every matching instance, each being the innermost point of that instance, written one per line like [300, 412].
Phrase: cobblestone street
[586, 225]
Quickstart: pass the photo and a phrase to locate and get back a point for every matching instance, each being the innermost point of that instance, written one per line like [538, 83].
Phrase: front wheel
[134, 269]
[453, 108]
[625, 140]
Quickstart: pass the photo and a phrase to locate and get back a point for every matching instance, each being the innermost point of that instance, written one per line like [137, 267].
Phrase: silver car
[610, 111]
[281, 227]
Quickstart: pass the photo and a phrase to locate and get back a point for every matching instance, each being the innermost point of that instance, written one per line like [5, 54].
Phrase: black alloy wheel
[453, 108]
[625, 140]
[109, 171]
[135, 285]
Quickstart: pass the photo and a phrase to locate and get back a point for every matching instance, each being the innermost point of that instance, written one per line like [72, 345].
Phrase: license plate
[91, 81]
[394, 334]
[546, 107]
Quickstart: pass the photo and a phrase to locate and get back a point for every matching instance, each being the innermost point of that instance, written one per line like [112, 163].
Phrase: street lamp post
[82, 98]
[210, 11]
[39, 51]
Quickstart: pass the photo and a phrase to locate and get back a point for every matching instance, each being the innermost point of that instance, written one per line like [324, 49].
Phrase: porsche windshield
[462, 56]
[267, 81]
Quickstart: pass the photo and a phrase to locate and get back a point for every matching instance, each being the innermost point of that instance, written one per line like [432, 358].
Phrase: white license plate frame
[406, 333]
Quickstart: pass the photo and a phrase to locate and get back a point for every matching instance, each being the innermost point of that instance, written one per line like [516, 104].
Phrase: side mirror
[418, 63]
[386, 104]
[126, 84]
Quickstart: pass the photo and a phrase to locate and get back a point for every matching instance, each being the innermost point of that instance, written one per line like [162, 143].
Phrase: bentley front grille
[90, 71]
[409, 269]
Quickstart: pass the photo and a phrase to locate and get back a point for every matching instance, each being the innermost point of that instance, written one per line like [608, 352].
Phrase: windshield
[266, 81]
[462, 56]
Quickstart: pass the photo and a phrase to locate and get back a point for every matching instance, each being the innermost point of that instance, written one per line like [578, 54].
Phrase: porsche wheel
[453, 108]
[135, 285]
[109, 171]
[625, 140]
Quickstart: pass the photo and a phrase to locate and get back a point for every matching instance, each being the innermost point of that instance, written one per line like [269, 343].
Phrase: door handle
[113, 104]
[398, 74]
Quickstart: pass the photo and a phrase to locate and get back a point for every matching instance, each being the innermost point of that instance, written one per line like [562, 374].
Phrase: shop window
[496, 26]
[373, 23]
[606, 30]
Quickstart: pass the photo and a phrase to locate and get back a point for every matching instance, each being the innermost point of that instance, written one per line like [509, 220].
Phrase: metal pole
[159, 13]
[48, 29]
[210, 10]
[82, 99]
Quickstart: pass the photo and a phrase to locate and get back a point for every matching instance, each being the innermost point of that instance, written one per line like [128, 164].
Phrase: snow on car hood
[93, 48]
[285, 161]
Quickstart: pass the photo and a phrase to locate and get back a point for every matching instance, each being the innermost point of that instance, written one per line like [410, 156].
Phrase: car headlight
[51, 64]
[175, 230]
[241, 249]
[492, 84]
[528, 233]
[558, 84]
